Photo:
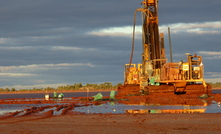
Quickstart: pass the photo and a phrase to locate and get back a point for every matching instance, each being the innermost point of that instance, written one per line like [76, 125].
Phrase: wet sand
[118, 124]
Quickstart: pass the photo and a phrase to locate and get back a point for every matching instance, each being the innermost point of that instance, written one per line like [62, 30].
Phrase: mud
[40, 113]
[170, 99]
[67, 106]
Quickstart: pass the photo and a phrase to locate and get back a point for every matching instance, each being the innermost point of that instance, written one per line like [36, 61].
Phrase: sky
[50, 43]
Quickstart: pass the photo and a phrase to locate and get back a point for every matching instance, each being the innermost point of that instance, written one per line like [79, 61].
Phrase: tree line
[81, 87]
[74, 87]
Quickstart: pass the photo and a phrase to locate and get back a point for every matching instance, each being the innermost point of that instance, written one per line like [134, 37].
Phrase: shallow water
[41, 95]
[116, 108]
[217, 91]
[144, 109]
[109, 107]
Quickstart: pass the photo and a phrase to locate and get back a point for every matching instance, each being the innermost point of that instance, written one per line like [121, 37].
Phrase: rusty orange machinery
[155, 74]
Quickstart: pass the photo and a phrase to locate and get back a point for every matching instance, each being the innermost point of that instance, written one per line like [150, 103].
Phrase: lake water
[42, 95]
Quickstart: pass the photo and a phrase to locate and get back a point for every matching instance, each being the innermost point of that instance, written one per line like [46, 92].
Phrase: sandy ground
[117, 124]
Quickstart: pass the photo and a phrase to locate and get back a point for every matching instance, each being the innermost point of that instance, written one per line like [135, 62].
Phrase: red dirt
[109, 124]
[42, 119]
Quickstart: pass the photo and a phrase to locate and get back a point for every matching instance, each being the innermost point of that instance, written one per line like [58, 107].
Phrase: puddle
[9, 108]
[108, 108]
[144, 109]
[111, 108]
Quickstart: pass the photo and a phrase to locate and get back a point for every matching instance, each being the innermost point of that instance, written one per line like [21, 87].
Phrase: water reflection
[116, 108]
[142, 111]
[131, 105]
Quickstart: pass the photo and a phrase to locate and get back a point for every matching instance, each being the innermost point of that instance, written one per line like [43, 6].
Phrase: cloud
[18, 48]
[213, 77]
[16, 74]
[113, 31]
[214, 74]
[8, 41]
[212, 55]
[55, 85]
[59, 48]
[35, 67]
[209, 53]
[194, 28]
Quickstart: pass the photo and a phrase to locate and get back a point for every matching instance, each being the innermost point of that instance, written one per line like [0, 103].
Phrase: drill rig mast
[153, 56]
[154, 74]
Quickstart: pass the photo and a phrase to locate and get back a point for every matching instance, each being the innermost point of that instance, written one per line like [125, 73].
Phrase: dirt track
[119, 124]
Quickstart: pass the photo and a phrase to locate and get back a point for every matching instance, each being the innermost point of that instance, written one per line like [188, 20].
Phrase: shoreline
[62, 91]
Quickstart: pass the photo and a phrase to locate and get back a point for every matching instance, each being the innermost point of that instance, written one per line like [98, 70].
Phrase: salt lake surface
[67, 94]
[110, 107]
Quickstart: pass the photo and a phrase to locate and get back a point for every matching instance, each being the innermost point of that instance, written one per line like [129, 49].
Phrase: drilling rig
[154, 74]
